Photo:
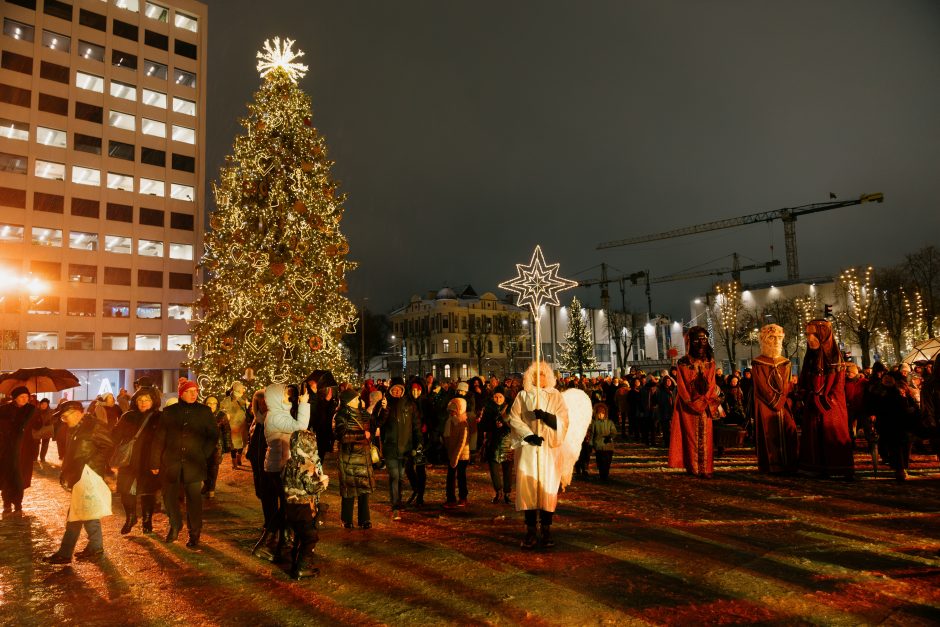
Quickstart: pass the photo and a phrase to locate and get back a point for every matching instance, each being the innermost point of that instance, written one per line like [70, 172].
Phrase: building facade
[102, 145]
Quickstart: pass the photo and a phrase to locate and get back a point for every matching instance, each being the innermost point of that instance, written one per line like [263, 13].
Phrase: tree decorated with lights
[577, 351]
[275, 258]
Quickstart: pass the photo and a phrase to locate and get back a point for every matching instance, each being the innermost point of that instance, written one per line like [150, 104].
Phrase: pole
[538, 426]
[362, 340]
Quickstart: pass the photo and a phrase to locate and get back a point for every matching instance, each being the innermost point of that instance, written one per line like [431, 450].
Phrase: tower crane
[787, 215]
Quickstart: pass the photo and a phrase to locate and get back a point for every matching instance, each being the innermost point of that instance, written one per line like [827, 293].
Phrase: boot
[278, 553]
[547, 541]
[172, 534]
[531, 539]
[299, 568]
[146, 512]
[238, 459]
[234, 463]
[506, 498]
[129, 521]
[193, 541]
[258, 550]
[498, 497]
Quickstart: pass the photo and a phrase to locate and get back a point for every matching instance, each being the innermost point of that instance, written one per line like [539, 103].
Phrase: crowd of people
[294, 437]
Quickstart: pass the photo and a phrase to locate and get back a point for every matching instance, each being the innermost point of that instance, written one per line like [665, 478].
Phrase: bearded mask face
[771, 340]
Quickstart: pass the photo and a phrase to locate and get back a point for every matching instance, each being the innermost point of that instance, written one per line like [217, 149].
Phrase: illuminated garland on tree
[577, 351]
[275, 258]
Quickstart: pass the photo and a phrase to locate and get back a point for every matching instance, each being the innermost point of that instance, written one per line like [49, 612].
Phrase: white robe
[538, 468]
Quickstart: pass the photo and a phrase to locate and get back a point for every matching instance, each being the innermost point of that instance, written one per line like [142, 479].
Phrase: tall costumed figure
[691, 444]
[539, 418]
[275, 259]
[825, 443]
[777, 443]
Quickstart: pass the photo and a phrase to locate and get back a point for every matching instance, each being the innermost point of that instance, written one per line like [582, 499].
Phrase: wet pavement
[651, 546]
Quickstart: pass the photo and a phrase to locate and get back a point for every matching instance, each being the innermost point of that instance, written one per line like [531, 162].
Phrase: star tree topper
[278, 55]
[538, 283]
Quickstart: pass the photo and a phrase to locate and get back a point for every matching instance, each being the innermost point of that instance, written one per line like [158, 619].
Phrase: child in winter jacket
[456, 442]
[602, 433]
[303, 480]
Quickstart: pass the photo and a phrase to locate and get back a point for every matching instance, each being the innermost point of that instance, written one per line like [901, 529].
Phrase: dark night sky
[464, 133]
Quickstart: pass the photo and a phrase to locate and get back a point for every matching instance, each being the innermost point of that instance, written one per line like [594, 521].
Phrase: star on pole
[538, 283]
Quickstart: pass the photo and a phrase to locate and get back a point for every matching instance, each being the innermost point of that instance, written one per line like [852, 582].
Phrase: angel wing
[580, 411]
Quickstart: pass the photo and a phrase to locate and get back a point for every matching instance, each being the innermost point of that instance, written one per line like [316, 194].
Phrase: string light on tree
[278, 55]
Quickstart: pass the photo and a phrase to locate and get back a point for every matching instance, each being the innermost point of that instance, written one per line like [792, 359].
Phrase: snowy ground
[649, 547]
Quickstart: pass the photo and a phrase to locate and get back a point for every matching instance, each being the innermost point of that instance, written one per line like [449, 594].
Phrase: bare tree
[731, 319]
[923, 267]
[623, 333]
[512, 335]
[860, 314]
[479, 329]
[891, 297]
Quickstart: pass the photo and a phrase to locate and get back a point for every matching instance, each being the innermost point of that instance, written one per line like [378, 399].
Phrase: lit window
[89, 82]
[121, 120]
[114, 341]
[116, 309]
[55, 41]
[149, 248]
[79, 341]
[117, 244]
[85, 176]
[17, 30]
[47, 237]
[149, 310]
[181, 251]
[50, 170]
[185, 21]
[181, 192]
[123, 90]
[15, 164]
[83, 241]
[447, 371]
[156, 12]
[178, 342]
[11, 233]
[183, 134]
[446, 346]
[130, 5]
[43, 305]
[42, 340]
[14, 130]
[146, 342]
[179, 311]
[152, 187]
[155, 98]
[184, 78]
[51, 137]
[154, 69]
[186, 107]
[90, 51]
[152, 127]
[120, 181]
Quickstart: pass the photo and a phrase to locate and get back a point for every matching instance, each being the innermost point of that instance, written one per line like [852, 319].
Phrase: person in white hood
[278, 427]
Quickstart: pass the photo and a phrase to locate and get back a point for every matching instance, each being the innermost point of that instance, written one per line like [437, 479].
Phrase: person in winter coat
[665, 405]
[46, 430]
[602, 433]
[235, 405]
[89, 443]
[497, 444]
[435, 414]
[257, 445]
[303, 480]
[539, 422]
[457, 443]
[135, 479]
[278, 427]
[185, 438]
[356, 481]
[17, 420]
[400, 427]
[415, 459]
[224, 446]
[896, 415]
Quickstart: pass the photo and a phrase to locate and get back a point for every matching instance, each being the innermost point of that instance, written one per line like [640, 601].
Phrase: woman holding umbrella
[18, 449]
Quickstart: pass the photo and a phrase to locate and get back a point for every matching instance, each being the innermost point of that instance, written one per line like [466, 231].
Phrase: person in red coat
[691, 445]
[825, 443]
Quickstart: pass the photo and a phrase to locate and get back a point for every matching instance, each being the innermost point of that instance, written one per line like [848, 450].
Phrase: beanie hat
[185, 385]
[20, 389]
[347, 396]
[463, 387]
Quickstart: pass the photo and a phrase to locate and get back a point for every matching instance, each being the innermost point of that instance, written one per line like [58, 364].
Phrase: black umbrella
[38, 380]
[323, 379]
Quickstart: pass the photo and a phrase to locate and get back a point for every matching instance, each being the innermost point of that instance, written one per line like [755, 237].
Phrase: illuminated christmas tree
[275, 258]
[577, 351]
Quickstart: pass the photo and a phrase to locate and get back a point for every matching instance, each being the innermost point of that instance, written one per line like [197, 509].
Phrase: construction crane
[787, 215]
[735, 271]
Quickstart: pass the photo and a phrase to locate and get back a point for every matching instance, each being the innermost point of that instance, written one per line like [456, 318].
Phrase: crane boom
[788, 215]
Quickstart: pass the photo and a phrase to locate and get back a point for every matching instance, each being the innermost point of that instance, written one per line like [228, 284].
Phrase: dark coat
[401, 427]
[16, 444]
[355, 462]
[89, 442]
[139, 468]
[497, 444]
[186, 437]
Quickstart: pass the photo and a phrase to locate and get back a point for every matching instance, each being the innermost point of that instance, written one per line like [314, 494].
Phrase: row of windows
[85, 341]
[85, 143]
[82, 207]
[82, 273]
[418, 348]
[88, 308]
[152, 10]
[78, 240]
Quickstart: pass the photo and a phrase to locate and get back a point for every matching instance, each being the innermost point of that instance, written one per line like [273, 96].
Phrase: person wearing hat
[186, 436]
[17, 448]
[138, 424]
[89, 443]
[401, 433]
[235, 406]
[356, 481]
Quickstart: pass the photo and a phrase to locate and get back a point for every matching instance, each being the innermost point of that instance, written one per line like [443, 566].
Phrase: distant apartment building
[102, 144]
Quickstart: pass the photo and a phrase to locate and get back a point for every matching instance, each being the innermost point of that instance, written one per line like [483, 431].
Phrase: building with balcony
[102, 129]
